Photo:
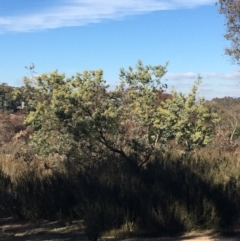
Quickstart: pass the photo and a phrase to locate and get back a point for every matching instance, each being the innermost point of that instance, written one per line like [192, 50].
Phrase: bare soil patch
[52, 231]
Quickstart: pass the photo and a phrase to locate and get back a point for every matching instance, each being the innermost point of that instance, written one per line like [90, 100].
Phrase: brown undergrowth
[170, 194]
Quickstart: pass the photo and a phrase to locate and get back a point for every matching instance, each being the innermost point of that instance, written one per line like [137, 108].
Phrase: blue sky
[77, 35]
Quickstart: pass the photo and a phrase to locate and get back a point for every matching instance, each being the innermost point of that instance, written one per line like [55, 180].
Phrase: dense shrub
[8, 201]
[168, 194]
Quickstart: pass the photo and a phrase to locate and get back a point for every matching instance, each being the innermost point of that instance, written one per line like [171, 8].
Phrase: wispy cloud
[210, 75]
[181, 76]
[82, 12]
[232, 76]
[214, 84]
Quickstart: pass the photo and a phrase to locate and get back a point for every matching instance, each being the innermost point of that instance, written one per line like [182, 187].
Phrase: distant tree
[7, 100]
[231, 10]
[4, 89]
[228, 129]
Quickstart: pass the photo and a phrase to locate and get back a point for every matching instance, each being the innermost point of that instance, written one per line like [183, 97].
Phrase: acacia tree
[78, 114]
[188, 119]
[80, 118]
[231, 9]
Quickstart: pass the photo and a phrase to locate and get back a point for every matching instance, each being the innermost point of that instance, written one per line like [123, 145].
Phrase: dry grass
[52, 231]
[222, 165]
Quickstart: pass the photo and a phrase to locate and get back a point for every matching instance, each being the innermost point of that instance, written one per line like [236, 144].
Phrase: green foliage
[67, 113]
[187, 119]
[79, 117]
[7, 98]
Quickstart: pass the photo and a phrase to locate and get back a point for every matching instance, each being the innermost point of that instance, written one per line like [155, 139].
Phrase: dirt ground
[11, 230]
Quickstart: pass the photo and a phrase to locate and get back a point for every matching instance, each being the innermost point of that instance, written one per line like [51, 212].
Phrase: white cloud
[181, 76]
[82, 12]
[232, 76]
[210, 75]
[214, 84]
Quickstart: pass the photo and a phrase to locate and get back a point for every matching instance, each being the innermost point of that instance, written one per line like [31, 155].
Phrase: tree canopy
[79, 116]
[231, 10]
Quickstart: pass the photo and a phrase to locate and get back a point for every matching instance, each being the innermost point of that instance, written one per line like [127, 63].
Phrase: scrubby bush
[169, 194]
